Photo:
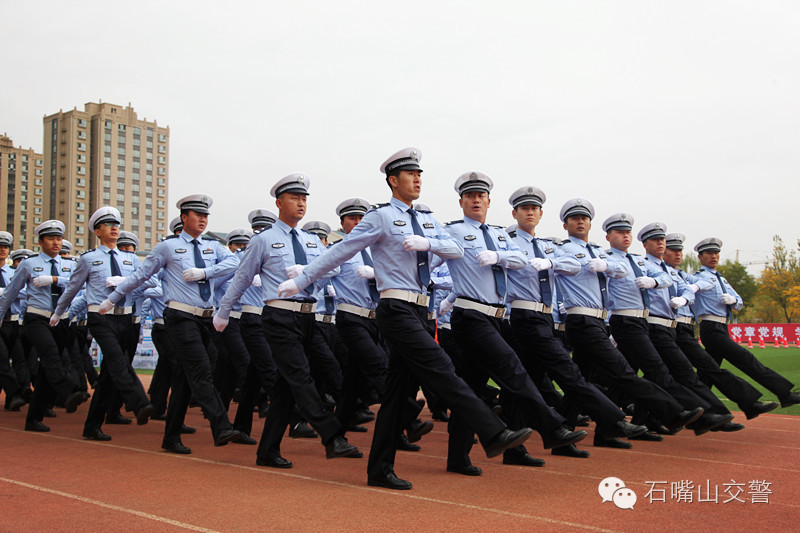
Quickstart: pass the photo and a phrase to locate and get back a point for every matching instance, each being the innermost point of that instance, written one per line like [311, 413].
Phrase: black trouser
[597, 357]
[487, 354]
[54, 380]
[415, 357]
[80, 334]
[633, 340]
[731, 385]
[325, 367]
[12, 335]
[537, 372]
[291, 337]
[8, 377]
[681, 369]
[117, 377]
[232, 361]
[191, 336]
[261, 374]
[719, 345]
[129, 342]
[162, 375]
[535, 332]
[368, 363]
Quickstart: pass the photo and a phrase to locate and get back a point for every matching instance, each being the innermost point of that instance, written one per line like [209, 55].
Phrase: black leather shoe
[793, 398]
[729, 427]
[562, 436]
[339, 447]
[362, 417]
[161, 416]
[188, 430]
[684, 418]
[466, 470]
[36, 426]
[49, 413]
[73, 401]
[661, 429]
[759, 408]
[247, 439]
[418, 428]
[27, 394]
[95, 434]
[624, 429]
[647, 436]
[612, 443]
[274, 462]
[570, 450]
[505, 440]
[144, 414]
[707, 422]
[357, 429]
[175, 447]
[440, 415]
[301, 430]
[520, 456]
[582, 421]
[117, 418]
[16, 403]
[405, 446]
[389, 481]
[226, 436]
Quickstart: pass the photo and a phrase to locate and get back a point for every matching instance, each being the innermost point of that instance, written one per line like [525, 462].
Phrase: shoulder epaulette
[378, 206]
[87, 251]
[207, 238]
[496, 226]
[513, 234]
[454, 222]
[170, 237]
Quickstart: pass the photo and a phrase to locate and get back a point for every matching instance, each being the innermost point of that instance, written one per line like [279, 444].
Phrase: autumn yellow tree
[779, 285]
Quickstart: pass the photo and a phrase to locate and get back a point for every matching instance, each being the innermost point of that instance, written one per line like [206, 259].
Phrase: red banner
[768, 332]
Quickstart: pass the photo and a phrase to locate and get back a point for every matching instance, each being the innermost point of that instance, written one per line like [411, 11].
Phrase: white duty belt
[289, 305]
[714, 318]
[634, 313]
[192, 310]
[489, 310]
[356, 310]
[407, 296]
[531, 306]
[588, 311]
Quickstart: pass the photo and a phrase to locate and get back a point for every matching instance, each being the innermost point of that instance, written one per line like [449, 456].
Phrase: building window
[121, 140]
[150, 145]
[78, 242]
[81, 158]
[136, 174]
[162, 205]
[37, 181]
[149, 133]
[80, 206]
[121, 127]
[106, 183]
[161, 171]
[120, 162]
[137, 142]
[149, 156]
[79, 230]
[120, 198]
[162, 160]
[121, 185]
[160, 225]
[108, 124]
[135, 188]
[38, 162]
[120, 173]
[107, 160]
[107, 148]
[162, 149]
[137, 153]
[107, 137]
[81, 147]
[81, 134]
[38, 171]
[80, 194]
[137, 131]
[135, 164]
[161, 193]
[106, 196]
[120, 151]
[37, 210]
[162, 182]
[37, 220]
[82, 122]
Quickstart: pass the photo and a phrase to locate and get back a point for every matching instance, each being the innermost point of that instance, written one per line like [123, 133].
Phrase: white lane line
[140, 514]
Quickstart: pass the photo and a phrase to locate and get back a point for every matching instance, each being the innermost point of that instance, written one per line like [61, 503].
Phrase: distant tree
[780, 281]
[743, 282]
[691, 263]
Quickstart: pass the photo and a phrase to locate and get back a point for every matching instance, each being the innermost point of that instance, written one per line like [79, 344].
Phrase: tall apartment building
[105, 155]
[21, 192]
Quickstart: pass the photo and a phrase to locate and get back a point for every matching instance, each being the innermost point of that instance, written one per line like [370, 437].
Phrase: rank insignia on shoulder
[37, 269]
[399, 222]
[180, 250]
[454, 222]
[548, 250]
[311, 245]
[428, 225]
[95, 263]
[87, 251]
[469, 237]
[580, 256]
[278, 245]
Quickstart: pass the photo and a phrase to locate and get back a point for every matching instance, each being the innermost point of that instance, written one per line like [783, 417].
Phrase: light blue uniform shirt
[523, 284]
[93, 268]
[32, 267]
[350, 289]
[78, 308]
[223, 282]
[383, 230]
[442, 286]
[622, 290]
[176, 254]
[156, 296]
[583, 289]
[469, 278]
[660, 296]
[8, 273]
[708, 300]
[688, 310]
[269, 253]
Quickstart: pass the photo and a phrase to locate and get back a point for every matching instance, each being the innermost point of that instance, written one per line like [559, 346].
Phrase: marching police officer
[8, 377]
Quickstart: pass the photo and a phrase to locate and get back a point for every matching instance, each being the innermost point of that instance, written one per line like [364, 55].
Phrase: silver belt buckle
[421, 300]
[603, 315]
[327, 319]
[207, 313]
[118, 311]
[306, 307]
[500, 312]
[372, 314]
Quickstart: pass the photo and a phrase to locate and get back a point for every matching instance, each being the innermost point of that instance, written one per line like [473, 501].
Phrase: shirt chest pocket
[279, 258]
[399, 233]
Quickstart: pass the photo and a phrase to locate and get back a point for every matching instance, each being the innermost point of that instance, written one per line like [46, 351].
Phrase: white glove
[257, 280]
[194, 274]
[365, 272]
[645, 282]
[113, 281]
[105, 306]
[488, 258]
[219, 323]
[416, 243]
[294, 271]
[678, 301]
[694, 287]
[728, 299]
[540, 263]
[42, 281]
[54, 320]
[445, 307]
[288, 288]
[562, 308]
[1, 290]
[331, 291]
[598, 265]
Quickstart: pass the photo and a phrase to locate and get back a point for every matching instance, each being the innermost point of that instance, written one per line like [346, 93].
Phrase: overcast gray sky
[684, 112]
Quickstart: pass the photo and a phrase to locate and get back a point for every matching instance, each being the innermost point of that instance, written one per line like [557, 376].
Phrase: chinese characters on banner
[768, 332]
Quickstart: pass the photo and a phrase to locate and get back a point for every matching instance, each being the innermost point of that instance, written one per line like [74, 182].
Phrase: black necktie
[373, 285]
[299, 254]
[205, 288]
[544, 277]
[422, 257]
[2, 279]
[673, 292]
[638, 273]
[497, 270]
[601, 279]
[114, 265]
[55, 290]
[722, 286]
